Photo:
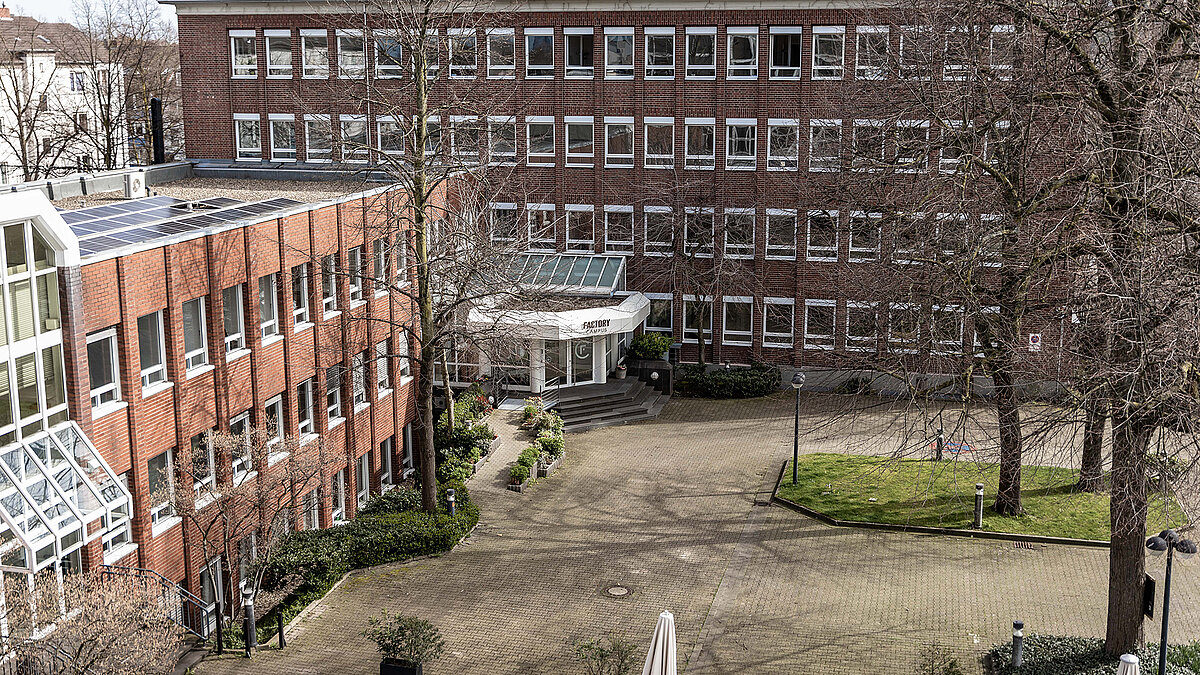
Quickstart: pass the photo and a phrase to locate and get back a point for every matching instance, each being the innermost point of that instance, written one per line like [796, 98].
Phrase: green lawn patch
[942, 494]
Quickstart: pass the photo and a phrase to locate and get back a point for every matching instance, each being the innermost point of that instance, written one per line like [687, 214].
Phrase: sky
[60, 10]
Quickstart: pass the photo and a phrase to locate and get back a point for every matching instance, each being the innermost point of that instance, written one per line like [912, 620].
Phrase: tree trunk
[1091, 468]
[449, 392]
[426, 452]
[1127, 553]
[1008, 413]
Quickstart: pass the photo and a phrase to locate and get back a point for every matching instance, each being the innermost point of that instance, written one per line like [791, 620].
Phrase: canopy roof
[568, 274]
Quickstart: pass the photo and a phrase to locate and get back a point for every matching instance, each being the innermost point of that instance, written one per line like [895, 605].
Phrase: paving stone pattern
[675, 509]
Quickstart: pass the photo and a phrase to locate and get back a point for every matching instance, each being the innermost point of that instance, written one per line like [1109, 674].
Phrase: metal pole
[279, 618]
[796, 440]
[1162, 644]
[979, 506]
[250, 630]
[941, 443]
[451, 501]
[1018, 643]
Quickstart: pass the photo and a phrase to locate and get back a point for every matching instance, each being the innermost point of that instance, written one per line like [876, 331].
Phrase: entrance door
[556, 364]
[581, 360]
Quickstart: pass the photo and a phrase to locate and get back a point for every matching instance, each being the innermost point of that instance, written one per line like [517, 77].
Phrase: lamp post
[1170, 542]
[797, 382]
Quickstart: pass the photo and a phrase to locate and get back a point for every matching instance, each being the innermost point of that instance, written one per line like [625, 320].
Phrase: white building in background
[50, 101]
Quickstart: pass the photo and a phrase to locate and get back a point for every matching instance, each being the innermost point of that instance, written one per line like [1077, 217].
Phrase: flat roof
[248, 190]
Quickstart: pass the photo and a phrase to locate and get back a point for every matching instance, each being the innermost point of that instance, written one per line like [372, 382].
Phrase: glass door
[556, 364]
[581, 360]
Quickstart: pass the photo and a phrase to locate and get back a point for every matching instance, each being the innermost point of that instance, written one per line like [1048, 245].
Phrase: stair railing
[183, 607]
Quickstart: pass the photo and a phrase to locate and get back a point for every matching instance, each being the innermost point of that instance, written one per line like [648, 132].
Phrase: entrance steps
[602, 405]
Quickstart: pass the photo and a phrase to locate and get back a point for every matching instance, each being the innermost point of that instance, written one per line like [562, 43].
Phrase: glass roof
[52, 488]
[591, 275]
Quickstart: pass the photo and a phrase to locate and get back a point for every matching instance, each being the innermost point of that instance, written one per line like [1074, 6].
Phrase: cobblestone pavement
[675, 510]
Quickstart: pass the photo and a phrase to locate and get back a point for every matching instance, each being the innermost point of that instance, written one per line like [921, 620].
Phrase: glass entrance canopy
[566, 274]
[56, 494]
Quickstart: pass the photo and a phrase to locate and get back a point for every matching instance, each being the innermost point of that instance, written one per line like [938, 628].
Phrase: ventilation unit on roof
[135, 185]
[193, 206]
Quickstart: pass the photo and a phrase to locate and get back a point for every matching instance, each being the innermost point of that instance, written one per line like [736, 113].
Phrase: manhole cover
[617, 591]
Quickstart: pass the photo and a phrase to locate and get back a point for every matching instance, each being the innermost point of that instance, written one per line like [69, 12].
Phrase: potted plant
[621, 371]
[518, 476]
[405, 642]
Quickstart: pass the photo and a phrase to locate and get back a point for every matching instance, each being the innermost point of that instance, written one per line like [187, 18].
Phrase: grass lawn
[942, 494]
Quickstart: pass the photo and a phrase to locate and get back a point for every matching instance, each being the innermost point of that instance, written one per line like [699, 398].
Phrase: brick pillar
[74, 346]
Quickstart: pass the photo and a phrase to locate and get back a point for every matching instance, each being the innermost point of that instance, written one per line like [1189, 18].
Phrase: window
[504, 222]
[581, 228]
[618, 141]
[356, 273]
[660, 317]
[912, 146]
[539, 52]
[359, 379]
[540, 140]
[908, 229]
[738, 325]
[355, 144]
[698, 232]
[581, 141]
[150, 349]
[618, 229]
[383, 369]
[381, 265]
[741, 148]
[300, 315]
[819, 320]
[283, 138]
[304, 404]
[1001, 47]
[432, 54]
[660, 142]
[239, 425]
[501, 53]
[402, 260]
[955, 143]
[389, 54]
[701, 53]
[825, 145]
[946, 326]
[244, 53]
[339, 496]
[406, 455]
[777, 322]
[389, 136]
[783, 145]
[541, 226]
[268, 316]
[103, 367]
[904, 327]
[697, 314]
[660, 231]
[433, 134]
[872, 45]
[785, 52]
[362, 479]
[403, 365]
[781, 234]
[204, 465]
[352, 57]
[310, 505]
[333, 393]
[862, 332]
[957, 57]
[822, 236]
[699, 143]
[618, 53]
[464, 138]
[950, 232]
[77, 80]
[247, 131]
[502, 139]
[314, 52]
[279, 53]
[868, 148]
[991, 239]
[318, 138]
[330, 283]
[828, 52]
[742, 52]
[231, 308]
[387, 447]
[160, 472]
[580, 44]
[916, 52]
[865, 233]
[660, 53]
[464, 61]
[739, 233]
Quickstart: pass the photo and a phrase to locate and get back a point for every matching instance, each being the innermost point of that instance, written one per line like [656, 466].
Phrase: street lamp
[797, 382]
[1169, 541]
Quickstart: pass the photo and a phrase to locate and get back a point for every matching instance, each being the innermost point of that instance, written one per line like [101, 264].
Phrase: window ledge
[275, 457]
[301, 327]
[308, 438]
[331, 315]
[108, 409]
[355, 304]
[268, 341]
[164, 525]
[361, 407]
[206, 500]
[153, 389]
[818, 347]
[245, 478]
[197, 372]
[405, 380]
[407, 472]
[780, 345]
[382, 394]
[381, 292]
[336, 422]
[236, 354]
[116, 554]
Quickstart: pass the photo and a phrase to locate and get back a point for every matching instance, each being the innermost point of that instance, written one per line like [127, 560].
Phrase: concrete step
[646, 410]
[638, 394]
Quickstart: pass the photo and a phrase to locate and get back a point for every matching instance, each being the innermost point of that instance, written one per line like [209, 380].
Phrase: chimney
[4, 13]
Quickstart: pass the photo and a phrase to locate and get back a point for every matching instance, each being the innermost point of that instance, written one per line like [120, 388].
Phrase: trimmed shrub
[650, 345]
[518, 474]
[529, 457]
[552, 446]
[396, 500]
[547, 421]
[757, 380]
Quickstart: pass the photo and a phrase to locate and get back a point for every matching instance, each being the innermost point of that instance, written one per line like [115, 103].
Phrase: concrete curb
[923, 529]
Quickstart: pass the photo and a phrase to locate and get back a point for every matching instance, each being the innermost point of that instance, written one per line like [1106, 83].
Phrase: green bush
[1057, 655]
[529, 456]
[396, 500]
[518, 474]
[552, 446]
[757, 380]
[405, 638]
[650, 345]
[547, 420]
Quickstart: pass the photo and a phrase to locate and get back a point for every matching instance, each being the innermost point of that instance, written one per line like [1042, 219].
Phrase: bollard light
[1018, 644]
[250, 630]
[450, 500]
[797, 382]
[654, 376]
[979, 506]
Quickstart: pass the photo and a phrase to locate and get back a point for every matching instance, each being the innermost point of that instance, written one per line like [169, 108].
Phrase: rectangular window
[333, 393]
[502, 139]
[501, 53]
[352, 56]
[504, 222]
[356, 146]
[916, 52]
[828, 52]
[329, 284]
[283, 138]
[403, 365]
[160, 472]
[862, 332]
[618, 53]
[660, 142]
[957, 56]
[540, 141]
[402, 260]
[660, 53]
[103, 367]
[660, 317]
[950, 232]
[304, 406]
[865, 235]
[701, 53]
[904, 327]
[381, 265]
[389, 136]
[359, 378]
[244, 53]
[541, 226]
[822, 236]
[700, 143]
[150, 349]
[77, 81]
[618, 141]
[231, 308]
[406, 453]
[383, 370]
[310, 505]
[956, 142]
[581, 141]
[356, 273]
[242, 460]
[432, 53]
[464, 138]
[203, 464]
[868, 146]
[781, 234]
[581, 228]
[338, 489]
[824, 145]
[741, 146]
[580, 45]
[737, 327]
[908, 230]
[618, 229]
[300, 315]
[783, 145]
[362, 479]
[279, 53]
[539, 53]
[1001, 48]
[778, 321]
[389, 54]
[268, 305]
[786, 50]
[739, 233]
[871, 48]
[699, 232]
[273, 418]
[697, 314]
[819, 321]
[742, 52]
[464, 57]
[247, 131]
[660, 231]
[318, 138]
[314, 52]
[387, 447]
[946, 328]
[912, 146]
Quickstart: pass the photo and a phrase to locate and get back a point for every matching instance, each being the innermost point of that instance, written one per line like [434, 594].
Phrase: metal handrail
[191, 613]
[47, 659]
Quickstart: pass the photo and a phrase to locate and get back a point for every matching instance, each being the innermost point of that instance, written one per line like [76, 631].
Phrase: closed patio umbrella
[661, 658]
[1129, 665]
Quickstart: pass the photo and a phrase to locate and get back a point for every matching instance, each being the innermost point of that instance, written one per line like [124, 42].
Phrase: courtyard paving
[676, 510]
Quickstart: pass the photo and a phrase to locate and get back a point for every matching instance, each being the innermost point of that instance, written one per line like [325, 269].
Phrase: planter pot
[478, 466]
[519, 487]
[546, 469]
[494, 446]
[393, 667]
[619, 374]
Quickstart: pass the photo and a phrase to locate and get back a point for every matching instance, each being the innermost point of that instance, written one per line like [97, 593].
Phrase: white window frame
[113, 388]
[822, 164]
[859, 162]
[338, 499]
[362, 479]
[862, 343]
[669, 329]
[910, 71]
[1003, 70]
[617, 71]
[625, 160]
[539, 243]
[746, 71]
[864, 71]
[773, 251]
[778, 72]
[247, 153]
[957, 72]
[246, 72]
[819, 341]
[278, 72]
[736, 337]
[313, 71]
[330, 304]
[403, 362]
[387, 447]
[272, 415]
[991, 241]
[658, 161]
[575, 245]
[659, 71]
[584, 72]
[353, 72]
[740, 162]
[902, 163]
[503, 206]
[656, 248]
[949, 128]
[304, 414]
[460, 127]
[587, 160]
[164, 510]
[619, 246]
[861, 254]
[540, 159]
[950, 347]
[707, 331]
[701, 162]
[383, 368]
[737, 250]
[395, 127]
[783, 162]
[356, 263]
[501, 71]
[688, 214]
[156, 374]
[358, 154]
[326, 155]
[689, 67]
[387, 71]
[820, 253]
[908, 256]
[282, 154]
[358, 380]
[463, 71]
[235, 341]
[301, 313]
[895, 344]
[822, 72]
[495, 122]
[784, 340]
[540, 72]
[268, 328]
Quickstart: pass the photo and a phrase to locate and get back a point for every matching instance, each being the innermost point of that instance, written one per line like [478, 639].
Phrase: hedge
[1058, 655]
[757, 380]
[650, 345]
[459, 448]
